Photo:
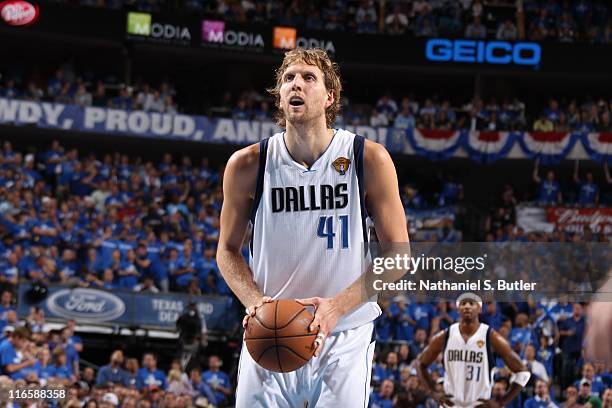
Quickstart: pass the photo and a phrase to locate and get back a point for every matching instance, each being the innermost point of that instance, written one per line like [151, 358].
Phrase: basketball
[277, 337]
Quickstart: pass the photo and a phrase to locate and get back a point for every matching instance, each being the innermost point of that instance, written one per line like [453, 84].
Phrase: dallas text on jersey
[321, 197]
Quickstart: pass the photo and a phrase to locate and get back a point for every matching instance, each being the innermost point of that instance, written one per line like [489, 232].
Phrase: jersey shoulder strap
[358, 150]
[490, 354]
[263, 155]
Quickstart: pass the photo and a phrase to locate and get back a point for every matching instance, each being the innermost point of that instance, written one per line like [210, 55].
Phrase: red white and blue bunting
[549, 147]
[598, 146]
[488, 147]
[435, 144]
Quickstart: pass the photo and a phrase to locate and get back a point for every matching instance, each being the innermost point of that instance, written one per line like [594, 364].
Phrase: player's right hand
[442, 398]
[250, 310]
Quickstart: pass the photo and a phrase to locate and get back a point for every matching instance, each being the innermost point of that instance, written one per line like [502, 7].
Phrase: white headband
[468, 295]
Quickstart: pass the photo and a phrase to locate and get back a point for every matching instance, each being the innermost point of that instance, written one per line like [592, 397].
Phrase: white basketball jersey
[468, 366]
[309, 224]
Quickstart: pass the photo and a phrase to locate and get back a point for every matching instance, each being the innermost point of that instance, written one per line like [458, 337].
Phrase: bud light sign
[86, 305]
[483, 52]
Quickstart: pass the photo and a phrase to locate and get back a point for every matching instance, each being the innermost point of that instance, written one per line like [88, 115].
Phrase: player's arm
[520, 375]
[424, 360]
[239, 182]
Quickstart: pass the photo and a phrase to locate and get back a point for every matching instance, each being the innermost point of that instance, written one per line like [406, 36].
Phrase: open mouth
[296, 101]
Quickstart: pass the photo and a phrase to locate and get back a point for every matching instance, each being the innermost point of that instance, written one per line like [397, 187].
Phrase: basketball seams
[283, 337]
[262, 323]
[278, 359]
[291, 350]
[292, 318]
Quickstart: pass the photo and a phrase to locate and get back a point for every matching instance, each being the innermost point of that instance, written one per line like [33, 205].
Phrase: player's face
[303, 96]
[469, 309]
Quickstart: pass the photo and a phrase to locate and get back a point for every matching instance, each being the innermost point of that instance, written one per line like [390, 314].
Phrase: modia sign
[216, 34]
[286, 38]
[141, 26]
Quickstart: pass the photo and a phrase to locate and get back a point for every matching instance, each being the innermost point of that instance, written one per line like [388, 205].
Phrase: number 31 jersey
[468, 366]
[309, 225]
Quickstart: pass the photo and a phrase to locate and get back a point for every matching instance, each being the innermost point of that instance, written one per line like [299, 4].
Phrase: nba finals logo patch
[341, 164]
[480, 343]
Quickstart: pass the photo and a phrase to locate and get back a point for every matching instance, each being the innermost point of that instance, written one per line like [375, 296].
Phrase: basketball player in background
[467, 348]
[308, 193]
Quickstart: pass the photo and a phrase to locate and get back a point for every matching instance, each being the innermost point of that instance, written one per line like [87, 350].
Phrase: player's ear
[330, 99]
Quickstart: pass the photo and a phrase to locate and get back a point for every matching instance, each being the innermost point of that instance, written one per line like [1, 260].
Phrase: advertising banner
[577, 219]
[434, 144]
[117, 308]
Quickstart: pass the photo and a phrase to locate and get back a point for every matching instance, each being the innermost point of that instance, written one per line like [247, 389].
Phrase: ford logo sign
[86, 305]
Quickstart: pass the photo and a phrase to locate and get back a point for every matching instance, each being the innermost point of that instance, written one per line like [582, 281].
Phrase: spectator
[507, 31]
[149, 377]
[12, 359]
[588, 374]
[541, 399]
[217, 380]
[543, 124]
[155, 103]
[396, 22]
[607, 398]
[378, 118]
[418, 344]
[113, 372]
[588, 191]
[201, 387]
[571, 398]
[585, 396]
[387, 105]
[366, 17]
[404, 119]
[83, 98]
[60, 372]
[476, 29]
[131, 368]
[572, 334]
[549, 190]
[535, 367]
[382, 399]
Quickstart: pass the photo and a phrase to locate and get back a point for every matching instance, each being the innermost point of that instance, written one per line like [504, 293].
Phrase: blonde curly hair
[331, 76]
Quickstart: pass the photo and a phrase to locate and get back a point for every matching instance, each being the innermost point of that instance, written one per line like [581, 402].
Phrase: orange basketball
[277, 337]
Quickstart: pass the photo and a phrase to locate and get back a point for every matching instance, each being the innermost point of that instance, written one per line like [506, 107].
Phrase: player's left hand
[327, 313]
[488, 403]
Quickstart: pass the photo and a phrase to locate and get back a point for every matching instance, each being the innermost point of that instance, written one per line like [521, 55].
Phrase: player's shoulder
[245, 159]
[375, 154]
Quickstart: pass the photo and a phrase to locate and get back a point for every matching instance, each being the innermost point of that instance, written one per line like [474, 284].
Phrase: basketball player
[308, 193]
[467, 348]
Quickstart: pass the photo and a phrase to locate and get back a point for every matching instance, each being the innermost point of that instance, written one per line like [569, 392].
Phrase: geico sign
[488, 52]
[170, 32]
[240, 38]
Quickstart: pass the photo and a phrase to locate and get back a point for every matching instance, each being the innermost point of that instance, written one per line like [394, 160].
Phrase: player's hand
[252, 309]
[442, 398]
[488, 403]
[326, 316]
